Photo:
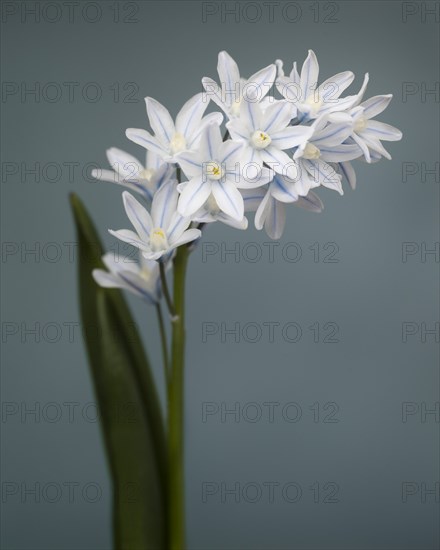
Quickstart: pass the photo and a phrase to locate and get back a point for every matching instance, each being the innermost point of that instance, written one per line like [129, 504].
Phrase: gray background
[369, 292]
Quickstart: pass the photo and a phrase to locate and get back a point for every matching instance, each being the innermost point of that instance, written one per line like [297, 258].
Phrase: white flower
[368, 133]
[172, 138]
[266, 134]
[229, 95]
[129, 172]
[142, 279]
[310, 99]
[216, 168]
[325, 146]
[158, 234]
[269, 205]
[210, 212]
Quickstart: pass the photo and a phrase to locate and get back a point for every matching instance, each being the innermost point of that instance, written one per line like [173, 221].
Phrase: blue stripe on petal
[134, 213]
[209, 143]
[192, 162]
[194, 109]
[279, 183]
[232, 152]
[277, 114]
[335, 133]
[159, 120]
[249, 109]
[231, 202]
[139, 289]
[175, 226]
[170, 192]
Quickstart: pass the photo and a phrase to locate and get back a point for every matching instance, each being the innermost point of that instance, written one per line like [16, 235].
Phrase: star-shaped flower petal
[310, 99]
[142, 279]
[210, 213]
[269, 204]
[369, 133]
[267, 134]
[216, 168]
[326, 145]
[157, 234]
[171, 138]
[233, 89]
[131, 173]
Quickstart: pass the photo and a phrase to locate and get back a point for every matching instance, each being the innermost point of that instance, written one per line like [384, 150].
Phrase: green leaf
[130, 410]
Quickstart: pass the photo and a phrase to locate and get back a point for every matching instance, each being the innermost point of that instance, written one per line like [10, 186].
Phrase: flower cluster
[271, 152]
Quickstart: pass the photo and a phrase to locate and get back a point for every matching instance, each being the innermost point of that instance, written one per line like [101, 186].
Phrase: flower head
[216, 169]
[274, 153]
[267, 134]
[210, 213]
[368, 133]
[269, 202]
[233, 89]
[326, 145]
[157, 234]
[140, 278]
[131, 173]
[171, 138]
[312, 100]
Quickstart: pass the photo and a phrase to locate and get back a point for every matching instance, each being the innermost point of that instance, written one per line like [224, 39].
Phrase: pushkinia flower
[368, 133]
[216, 168]
[233, 89]
[210, 213]
[157, 234]
[326, 145]
[276, 152]
[171, 138]
[266, 134]
[129, 172]
[310, 99]
[142, 279]
[268, 203]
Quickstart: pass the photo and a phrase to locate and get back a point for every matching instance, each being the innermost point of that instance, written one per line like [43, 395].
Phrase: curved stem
[176, 510]
[166, 292]
[163, 339]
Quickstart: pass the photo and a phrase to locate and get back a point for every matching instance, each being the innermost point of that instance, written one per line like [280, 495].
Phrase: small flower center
[311, 152]
[213, 170]
[177, 143]
[360, 124]
[146, 174]
[235, 107]
[260, 140]
[158, 240]
[145, 273]
[314, 103]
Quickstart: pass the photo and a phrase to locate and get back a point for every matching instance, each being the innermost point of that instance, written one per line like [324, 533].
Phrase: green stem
[163, 339]
[166, 292]
[176, 513]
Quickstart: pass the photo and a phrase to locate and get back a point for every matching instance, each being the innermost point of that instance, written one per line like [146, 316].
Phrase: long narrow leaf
[130, 410]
